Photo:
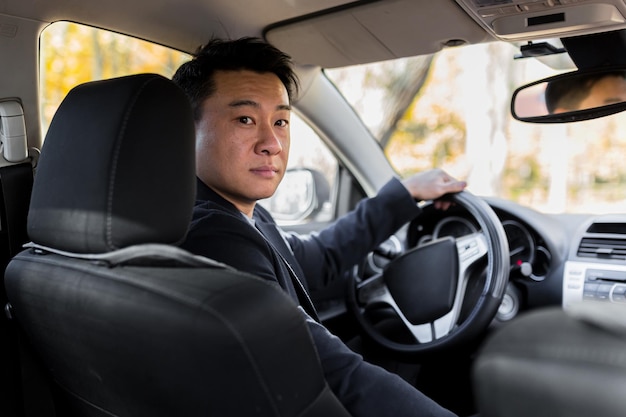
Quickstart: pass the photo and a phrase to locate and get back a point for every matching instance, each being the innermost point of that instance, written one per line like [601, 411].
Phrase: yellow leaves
[71, 54]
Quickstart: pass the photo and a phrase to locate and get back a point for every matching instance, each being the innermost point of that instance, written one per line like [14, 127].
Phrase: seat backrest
[554, 362]
[125, 322]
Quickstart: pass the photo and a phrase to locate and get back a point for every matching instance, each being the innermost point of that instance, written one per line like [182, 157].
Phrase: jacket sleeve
[365, 389]
[326, 255]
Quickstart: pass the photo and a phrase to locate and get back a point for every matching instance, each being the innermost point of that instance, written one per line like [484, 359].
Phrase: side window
[72, 54]
[305, 195]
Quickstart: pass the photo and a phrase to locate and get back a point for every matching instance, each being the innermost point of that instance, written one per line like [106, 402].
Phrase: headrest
[117, 167]
[552, 362]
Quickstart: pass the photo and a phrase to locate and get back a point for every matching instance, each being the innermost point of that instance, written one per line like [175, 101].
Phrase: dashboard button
[618, 298]
[619, 290]
[619, 294]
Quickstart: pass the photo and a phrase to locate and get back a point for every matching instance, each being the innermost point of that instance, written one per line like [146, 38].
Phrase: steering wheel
[426, 287]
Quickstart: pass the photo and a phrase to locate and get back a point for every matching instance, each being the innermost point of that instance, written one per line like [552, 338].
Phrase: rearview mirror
[571, 97]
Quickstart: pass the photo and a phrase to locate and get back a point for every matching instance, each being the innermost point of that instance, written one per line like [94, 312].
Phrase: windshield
[452, 110]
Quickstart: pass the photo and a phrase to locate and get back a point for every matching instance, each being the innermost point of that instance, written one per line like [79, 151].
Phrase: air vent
[602, 248]
[615, 228]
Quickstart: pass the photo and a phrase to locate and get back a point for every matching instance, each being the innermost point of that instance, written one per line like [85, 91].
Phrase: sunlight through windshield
[453, 112]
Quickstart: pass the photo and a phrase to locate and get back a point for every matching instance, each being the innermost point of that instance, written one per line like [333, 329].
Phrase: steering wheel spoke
[423, 333]
[372, 290]
[470, 248]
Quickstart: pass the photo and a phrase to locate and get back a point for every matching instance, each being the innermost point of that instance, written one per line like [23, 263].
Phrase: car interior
[105, 315]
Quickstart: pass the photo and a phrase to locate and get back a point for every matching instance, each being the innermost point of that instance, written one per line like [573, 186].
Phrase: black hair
[568, 93]
[195, 77]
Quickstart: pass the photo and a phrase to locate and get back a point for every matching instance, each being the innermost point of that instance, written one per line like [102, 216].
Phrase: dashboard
[546, 263]
[555, 259]
[529, 256]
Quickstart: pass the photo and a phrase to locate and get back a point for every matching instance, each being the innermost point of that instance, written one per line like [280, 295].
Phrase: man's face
[242, 139]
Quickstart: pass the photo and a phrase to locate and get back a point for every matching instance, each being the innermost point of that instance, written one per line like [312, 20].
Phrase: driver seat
[124, 322]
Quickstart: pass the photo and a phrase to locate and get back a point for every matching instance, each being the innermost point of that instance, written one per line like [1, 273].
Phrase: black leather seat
[16, 180]
[125, 322]
[556, 363]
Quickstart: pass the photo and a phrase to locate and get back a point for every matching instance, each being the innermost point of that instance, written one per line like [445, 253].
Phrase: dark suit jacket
[219, 231]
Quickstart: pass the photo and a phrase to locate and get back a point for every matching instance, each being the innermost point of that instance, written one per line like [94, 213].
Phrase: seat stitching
[109, 215]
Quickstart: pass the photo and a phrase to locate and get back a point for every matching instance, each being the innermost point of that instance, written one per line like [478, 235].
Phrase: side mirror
[571, 97]
[301, 195]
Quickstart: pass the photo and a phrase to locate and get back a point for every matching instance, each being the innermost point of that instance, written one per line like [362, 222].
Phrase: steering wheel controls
[468, 250]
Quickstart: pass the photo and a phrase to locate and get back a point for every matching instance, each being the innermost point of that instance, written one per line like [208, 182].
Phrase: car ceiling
[326, 33]
[330, 33]
[353, 35]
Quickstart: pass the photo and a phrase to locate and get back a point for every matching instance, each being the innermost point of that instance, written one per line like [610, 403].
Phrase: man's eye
[245, 120]
[282, 123]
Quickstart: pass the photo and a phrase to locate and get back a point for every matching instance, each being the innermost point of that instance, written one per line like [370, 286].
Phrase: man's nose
[268, 142]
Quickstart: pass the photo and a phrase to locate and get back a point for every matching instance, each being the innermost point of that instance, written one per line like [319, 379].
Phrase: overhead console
[368, 31]
[532, 19]
[374, 30]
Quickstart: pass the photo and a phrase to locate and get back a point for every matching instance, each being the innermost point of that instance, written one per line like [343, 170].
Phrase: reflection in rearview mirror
[571, 97]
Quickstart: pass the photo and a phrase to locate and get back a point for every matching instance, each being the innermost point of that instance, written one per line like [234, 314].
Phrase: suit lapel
[273, 235]
[278, 244]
